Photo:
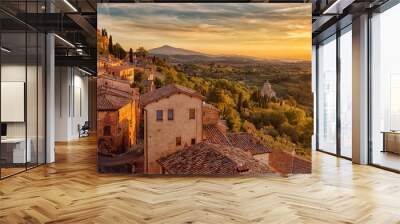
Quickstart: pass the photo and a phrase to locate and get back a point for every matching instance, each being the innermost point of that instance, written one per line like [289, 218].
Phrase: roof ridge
[167, 91]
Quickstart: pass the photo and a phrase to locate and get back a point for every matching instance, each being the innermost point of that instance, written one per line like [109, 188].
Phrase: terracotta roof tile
[107, 102]
[212, 159]
[167, 91]
[118, 88]
[247, 142]
[212, 134]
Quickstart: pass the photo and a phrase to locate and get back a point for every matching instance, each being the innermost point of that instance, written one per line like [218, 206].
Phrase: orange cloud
[265, 30]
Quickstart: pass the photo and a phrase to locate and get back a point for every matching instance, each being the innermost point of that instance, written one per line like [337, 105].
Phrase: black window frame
[192, 111]
[107, 130]
[159, 115]
[170, 114]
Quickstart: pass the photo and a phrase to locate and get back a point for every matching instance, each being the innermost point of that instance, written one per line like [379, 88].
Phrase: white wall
[71, 103]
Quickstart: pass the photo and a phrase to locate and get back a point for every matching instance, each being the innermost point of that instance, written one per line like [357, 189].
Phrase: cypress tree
[110, 45]
[131, 55]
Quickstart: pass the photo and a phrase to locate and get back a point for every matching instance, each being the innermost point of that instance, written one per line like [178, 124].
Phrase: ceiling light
[337, 7]
[5, 50]
[70, 5]
[86, 72]
[64, 40]
[79, 51]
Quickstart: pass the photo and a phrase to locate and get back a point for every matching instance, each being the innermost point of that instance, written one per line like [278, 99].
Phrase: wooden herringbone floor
[71, 191]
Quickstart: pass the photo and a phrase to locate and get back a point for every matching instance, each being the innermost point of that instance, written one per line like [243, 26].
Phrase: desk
[391, 141]
[13, 150]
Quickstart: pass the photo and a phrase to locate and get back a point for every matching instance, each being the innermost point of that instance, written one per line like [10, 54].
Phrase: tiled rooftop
[245, 141]
[212, 134]
[211, 159]
[167, 91]
[106, 102]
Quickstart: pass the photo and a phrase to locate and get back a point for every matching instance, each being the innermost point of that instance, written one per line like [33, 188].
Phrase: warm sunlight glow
[271, 31]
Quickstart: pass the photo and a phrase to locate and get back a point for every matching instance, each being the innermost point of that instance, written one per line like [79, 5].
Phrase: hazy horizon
[261, 30]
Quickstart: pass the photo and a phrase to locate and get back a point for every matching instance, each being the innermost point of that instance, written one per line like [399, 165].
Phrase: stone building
[210, 114]
[102, 41]
[267, 90]
[181, 131]
[125, 72]
[148, 86]
[172, 117]
[117, 109]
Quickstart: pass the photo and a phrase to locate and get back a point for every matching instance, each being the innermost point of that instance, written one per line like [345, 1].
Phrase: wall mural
[204, 88]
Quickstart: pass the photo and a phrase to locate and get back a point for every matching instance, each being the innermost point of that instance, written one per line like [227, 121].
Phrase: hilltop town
[150, 121]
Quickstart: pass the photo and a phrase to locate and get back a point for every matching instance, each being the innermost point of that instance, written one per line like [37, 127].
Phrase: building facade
[117, 109]
[172, 120]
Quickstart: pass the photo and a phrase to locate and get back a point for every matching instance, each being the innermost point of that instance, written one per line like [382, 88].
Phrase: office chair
[84, 130]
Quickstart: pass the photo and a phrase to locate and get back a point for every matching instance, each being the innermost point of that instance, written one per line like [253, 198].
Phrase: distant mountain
[168, 50]
[180, 55]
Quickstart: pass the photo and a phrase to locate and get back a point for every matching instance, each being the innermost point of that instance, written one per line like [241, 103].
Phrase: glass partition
[22, 88]
[327, 95]
[14, 155]
[385, 89]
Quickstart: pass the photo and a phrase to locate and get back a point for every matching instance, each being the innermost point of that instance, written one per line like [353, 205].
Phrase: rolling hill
[168, 50]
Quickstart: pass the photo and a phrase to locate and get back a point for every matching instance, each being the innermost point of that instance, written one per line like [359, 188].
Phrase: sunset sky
[264, 30]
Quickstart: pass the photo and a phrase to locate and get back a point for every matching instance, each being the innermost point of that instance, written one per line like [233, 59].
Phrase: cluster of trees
[278, 121]
[289, 80]
[114, 49]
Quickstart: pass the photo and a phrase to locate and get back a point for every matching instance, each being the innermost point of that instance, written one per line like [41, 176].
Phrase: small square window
[159, 115]
[193, 141]
[192, 114]
[170, 114]
[178, 141]
[107, 130]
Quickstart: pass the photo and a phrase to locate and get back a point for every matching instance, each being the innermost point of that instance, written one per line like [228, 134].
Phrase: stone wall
[160, 136]
[210, 114]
